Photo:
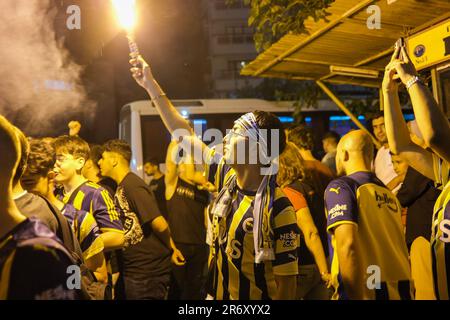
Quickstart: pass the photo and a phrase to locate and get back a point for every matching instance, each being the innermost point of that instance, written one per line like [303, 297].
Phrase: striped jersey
[32, 266]
[361, 199]
[440, 237]
[86, 231]
[441, 169]
[239, 278]
[97, 201]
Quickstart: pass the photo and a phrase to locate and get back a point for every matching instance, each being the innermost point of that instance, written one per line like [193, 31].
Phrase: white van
[141, 126]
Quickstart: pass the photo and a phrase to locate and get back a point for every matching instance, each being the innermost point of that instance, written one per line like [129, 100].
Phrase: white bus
[141, 126]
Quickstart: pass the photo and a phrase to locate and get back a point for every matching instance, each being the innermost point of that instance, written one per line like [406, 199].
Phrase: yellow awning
[345, 50]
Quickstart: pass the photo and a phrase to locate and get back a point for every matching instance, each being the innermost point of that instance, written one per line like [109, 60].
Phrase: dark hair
[72, 145]
[25, 150]
[269, 121]
[40, 162]
[95, 153]
[332, 135]
[120, 147]
[301, 137]
[152, 160]
[375, 115]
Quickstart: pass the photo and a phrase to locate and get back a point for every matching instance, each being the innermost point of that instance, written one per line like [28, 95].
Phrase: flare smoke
[38, 80]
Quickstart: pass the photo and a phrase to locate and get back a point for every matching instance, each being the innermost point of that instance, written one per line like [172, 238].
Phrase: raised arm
[396, 129]
[432, 122]
[170, 178]
[174, 122]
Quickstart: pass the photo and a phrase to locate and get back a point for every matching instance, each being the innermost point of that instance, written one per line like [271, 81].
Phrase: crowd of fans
[360, 224]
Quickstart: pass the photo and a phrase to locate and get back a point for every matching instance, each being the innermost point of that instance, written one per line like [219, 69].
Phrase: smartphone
[398, 44]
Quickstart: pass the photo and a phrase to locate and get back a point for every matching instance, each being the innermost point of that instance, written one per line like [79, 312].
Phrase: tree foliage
[273, 19]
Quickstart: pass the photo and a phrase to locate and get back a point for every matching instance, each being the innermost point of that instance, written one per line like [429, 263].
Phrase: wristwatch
[413, 81]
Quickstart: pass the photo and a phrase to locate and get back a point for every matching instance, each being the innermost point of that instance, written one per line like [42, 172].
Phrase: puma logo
[335, 190]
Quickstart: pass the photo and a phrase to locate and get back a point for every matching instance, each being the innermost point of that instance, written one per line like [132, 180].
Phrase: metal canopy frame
[309, 57]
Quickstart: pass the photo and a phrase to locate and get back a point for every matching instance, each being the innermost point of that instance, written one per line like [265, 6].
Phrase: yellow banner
[431, 46]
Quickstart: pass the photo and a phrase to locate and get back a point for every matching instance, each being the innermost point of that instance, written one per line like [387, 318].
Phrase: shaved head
[10, 147]
[356, 147]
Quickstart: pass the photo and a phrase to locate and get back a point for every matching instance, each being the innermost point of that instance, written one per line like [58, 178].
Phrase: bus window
[290, 120]
[342, 124]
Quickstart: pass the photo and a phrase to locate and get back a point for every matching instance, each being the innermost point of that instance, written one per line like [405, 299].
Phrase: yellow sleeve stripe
[95, 248]
[285, 217]
[334, 225]
[78, 201]
[112, 212]
[111, 230]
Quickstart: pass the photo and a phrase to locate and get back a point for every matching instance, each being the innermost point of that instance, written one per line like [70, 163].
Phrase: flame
[126, 13]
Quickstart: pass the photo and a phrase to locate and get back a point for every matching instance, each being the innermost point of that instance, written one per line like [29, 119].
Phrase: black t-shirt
[158, 187]
[31, 205]
[418, 194]
[144, 254]
[187, 214]
[109, 184]
[316, 206]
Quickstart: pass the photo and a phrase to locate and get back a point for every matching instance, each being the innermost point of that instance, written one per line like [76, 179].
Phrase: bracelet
[412, 81]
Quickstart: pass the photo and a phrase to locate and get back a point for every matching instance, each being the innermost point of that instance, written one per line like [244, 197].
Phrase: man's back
[363, 200]
[31, 205]
[31, 243]
[144, 254]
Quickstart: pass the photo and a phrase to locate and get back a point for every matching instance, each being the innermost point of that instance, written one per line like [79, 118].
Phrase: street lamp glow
[126, 13]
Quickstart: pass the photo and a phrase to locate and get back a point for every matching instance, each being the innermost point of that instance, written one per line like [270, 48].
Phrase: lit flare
[126, 13]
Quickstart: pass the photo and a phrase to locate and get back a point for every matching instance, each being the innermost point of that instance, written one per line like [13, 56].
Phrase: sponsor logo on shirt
[337, 211]
[335, 190]
[289, 240]
[385, 200]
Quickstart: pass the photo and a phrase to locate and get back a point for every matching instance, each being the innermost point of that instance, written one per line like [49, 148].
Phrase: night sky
[171, 36]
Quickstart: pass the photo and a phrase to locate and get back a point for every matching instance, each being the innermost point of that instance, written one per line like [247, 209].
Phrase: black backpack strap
[64, 232]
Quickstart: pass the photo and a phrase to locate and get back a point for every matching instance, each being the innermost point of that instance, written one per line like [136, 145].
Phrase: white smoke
[38, 80]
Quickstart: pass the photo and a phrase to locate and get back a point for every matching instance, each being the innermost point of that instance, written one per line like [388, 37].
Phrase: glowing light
[126, 13]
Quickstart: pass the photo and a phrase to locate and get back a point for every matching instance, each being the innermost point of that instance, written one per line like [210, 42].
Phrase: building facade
[230, 46]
